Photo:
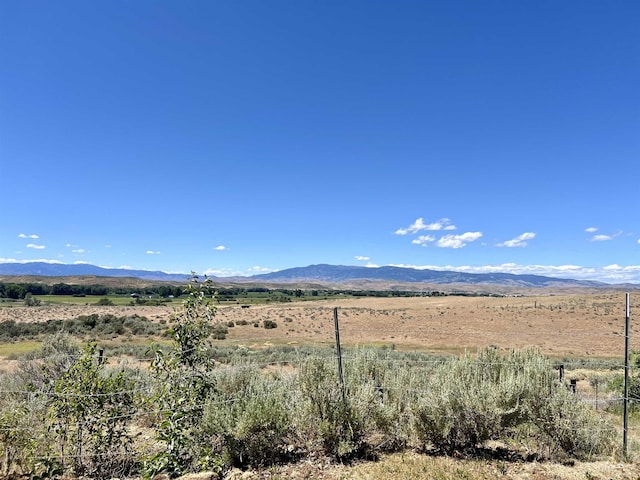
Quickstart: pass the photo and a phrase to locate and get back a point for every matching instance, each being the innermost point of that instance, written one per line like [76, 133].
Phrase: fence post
[625, 429]
[339, 352]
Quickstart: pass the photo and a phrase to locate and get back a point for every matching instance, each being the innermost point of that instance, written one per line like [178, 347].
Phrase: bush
[470, 401]
[249, 418]
[571, 426]
[327, 418]
[40, 369]
[268, 324]
[182, 385]
[90, 410]
[22, 431]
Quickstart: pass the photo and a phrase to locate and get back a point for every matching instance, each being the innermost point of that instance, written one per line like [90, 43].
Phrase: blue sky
[238, 137]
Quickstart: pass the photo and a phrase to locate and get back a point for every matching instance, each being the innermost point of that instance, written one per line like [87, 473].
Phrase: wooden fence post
[339, 352]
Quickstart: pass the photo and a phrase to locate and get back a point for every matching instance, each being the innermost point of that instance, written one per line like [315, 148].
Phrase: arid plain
[582, 325]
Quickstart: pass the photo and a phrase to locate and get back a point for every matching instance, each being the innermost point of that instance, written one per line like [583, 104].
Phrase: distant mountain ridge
[312, 273]
[45, 269]
[342, 273]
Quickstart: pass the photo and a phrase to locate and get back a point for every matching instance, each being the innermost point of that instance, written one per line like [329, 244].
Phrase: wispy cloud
[458, 241]
[419, 225]
[151, 252]
[258, 269]
[591, 229]
[605, 238]
[519, 241]
[220, 248]
[423, 240]
[22, 235]
[40, 260]
[361, 258]
[79, 250]
[37, 247]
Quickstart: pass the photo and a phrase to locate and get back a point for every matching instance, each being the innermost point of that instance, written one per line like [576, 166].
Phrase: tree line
[18, 291]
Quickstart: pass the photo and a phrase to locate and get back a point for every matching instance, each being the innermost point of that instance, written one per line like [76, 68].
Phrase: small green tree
[89, 413]
[31, 301]
[183, 383]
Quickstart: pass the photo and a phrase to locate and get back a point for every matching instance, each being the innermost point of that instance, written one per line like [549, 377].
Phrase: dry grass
[572, 325]
[584, 325]
[411, 466]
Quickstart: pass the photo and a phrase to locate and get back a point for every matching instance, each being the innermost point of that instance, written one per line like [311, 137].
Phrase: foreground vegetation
[197, 407]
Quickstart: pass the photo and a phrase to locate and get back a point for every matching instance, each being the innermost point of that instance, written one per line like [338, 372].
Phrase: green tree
[89, 413]
[14, 291]
[183, 384]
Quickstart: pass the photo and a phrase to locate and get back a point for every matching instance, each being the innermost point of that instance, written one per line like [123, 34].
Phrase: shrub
[268, 324]
[571, 426]
[31, 301]
[249, 419]
[40, 369]
[182, 385]
[89, 413]
[327, 417]
[22, 430]
[470, 401]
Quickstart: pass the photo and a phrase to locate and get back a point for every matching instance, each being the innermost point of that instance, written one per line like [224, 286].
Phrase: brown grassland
[565, 325]
[560, 326]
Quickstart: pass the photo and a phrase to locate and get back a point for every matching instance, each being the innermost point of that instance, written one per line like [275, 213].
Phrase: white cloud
[151, 252]
[519, 241]
[37, 247]
[361, 258]
[220, 247]
[230, 272]
[79, 250]
[22, 235]
[605, 238]
[458, 241]
[591, 229]
[258, 269]
[419, 225]
[423, 240]
[41, 260]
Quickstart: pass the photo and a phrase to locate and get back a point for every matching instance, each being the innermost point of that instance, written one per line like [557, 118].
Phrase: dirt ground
[410, 465]
[569, 325]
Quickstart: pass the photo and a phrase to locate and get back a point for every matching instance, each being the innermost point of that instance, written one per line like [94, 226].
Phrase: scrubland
[432, 387]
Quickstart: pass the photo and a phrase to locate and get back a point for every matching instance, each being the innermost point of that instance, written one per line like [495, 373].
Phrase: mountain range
[313, 273]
